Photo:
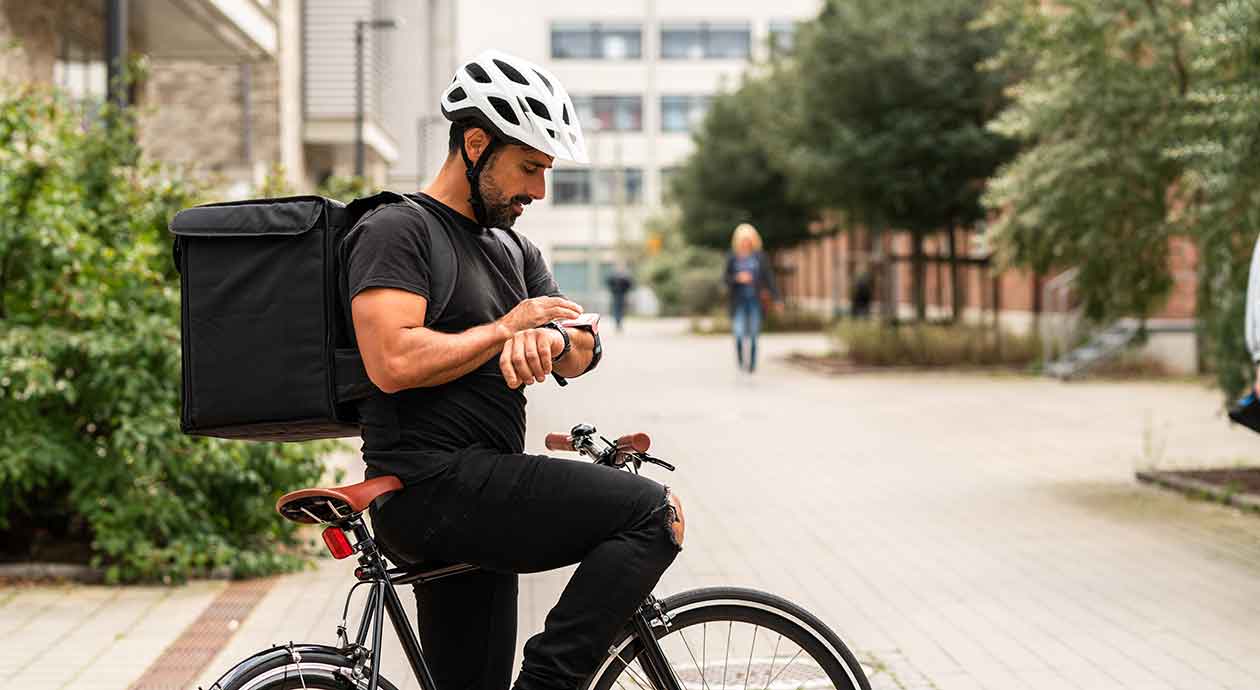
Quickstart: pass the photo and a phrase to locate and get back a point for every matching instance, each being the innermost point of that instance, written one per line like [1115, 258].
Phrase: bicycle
[665, 645]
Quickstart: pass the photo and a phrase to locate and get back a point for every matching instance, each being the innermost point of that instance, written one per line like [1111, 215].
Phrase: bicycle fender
[268, 657]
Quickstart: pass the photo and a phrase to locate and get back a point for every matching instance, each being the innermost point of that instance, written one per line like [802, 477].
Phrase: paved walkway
[959, 532]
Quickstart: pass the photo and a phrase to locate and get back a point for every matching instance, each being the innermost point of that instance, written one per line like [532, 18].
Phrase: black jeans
[512, 514]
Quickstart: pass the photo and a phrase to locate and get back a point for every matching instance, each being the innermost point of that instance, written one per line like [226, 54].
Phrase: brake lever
[656, 461]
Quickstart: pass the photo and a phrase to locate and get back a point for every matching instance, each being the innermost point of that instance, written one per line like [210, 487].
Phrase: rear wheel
[299, 667]
[727, 638]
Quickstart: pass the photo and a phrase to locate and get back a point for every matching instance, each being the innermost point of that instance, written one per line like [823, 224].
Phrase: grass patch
[787, 321]
[870, 343]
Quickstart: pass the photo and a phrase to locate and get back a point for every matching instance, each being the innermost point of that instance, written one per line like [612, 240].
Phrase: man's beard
[499, 205]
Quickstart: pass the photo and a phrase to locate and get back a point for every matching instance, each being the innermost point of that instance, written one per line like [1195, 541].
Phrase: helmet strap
[473, 172]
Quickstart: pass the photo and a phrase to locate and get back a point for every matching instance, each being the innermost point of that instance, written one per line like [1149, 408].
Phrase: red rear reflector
[337, 543]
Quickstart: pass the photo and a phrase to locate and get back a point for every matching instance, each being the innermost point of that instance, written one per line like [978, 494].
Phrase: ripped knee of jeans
[675, 525]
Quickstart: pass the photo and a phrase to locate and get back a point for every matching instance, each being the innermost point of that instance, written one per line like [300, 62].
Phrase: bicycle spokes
[730, 655]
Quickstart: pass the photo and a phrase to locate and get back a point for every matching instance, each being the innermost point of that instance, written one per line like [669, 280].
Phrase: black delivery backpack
[268, 346]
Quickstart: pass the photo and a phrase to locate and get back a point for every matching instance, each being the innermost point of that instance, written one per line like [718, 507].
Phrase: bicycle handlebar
[559, 442]
[637, 443]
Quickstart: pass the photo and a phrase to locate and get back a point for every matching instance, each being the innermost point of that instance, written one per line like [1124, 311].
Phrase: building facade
[641, 73]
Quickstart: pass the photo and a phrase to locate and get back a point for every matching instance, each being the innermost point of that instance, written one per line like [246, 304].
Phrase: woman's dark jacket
[763, 278]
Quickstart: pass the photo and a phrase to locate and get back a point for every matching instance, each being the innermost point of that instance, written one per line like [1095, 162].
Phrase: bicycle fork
[657, 668]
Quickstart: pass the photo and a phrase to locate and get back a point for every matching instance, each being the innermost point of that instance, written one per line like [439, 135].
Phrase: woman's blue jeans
[746, 325]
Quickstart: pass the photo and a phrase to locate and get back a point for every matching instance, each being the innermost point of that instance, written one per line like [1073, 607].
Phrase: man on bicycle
[450, 417]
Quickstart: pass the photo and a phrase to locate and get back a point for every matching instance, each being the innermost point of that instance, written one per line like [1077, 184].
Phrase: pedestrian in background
[750, 280]
[619, 284]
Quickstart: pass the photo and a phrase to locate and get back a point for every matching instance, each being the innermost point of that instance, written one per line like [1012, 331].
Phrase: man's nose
[538, 190]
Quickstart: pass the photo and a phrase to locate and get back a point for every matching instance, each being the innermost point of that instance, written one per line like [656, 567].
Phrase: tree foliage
[891, 112]
[1104, 90]
[90, 361]
[1219, 149]
[880, 116]
[733, 176]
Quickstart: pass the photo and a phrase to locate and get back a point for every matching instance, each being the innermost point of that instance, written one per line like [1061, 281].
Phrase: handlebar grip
[559, 442]
[639, 443]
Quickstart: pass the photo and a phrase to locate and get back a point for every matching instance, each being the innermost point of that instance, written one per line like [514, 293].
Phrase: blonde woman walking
[749, 276]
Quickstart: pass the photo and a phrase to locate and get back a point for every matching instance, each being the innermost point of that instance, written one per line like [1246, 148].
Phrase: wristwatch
[564, 333]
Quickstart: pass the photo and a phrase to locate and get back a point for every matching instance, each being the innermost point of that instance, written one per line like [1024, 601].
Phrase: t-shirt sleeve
[538, 279]
[390, 250]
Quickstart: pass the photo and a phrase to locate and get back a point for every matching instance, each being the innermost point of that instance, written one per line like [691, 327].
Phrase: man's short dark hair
[457, 136]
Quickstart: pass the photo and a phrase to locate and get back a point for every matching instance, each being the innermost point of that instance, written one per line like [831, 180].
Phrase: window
[705, 41]
[667, 180]
[569, 187]
[573, 186]
[571, 276]
[595, 41]
[683, 113]
[613, 113]
[81, 74]
[782, 37]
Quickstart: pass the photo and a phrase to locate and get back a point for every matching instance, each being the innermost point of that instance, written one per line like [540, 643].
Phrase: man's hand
[536, 311]
[526, 356]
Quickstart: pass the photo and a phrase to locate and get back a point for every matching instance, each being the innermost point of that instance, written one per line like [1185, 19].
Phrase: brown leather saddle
[336, 504]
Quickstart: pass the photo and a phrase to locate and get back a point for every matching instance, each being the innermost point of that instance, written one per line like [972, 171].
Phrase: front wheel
[728, 638]
[297, 667]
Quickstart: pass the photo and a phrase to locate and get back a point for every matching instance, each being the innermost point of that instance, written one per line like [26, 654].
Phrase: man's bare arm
[400, 353]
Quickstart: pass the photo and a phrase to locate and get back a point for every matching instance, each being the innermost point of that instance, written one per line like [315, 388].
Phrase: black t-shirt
[392, 250]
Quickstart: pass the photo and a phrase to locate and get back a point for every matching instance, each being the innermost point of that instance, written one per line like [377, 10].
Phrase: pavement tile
[961, 532]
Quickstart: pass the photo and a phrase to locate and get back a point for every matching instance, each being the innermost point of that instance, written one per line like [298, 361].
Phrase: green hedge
[90, 363]
[922, 345]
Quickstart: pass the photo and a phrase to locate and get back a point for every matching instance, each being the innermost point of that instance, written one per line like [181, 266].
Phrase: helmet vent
[536, 106]
[511, 72]
[456, 95]
[546, 83]
[564, 113]
[504, 109]
[552, 132]
[477, 72]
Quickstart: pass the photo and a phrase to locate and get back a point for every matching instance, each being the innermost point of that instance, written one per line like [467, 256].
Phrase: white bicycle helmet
[517, 102]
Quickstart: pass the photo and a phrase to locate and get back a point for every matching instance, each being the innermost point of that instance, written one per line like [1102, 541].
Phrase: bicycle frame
[383, 601]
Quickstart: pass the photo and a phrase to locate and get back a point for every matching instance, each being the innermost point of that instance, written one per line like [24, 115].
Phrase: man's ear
[475, 142]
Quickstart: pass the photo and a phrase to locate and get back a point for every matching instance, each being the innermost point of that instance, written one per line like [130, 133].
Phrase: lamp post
[359, 26]
[592, 252]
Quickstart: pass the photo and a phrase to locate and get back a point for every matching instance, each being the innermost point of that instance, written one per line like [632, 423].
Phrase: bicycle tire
[731, 605]
[318, 667]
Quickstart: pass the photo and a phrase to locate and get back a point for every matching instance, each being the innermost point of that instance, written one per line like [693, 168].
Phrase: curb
[1200, 489]
[59, 572]
[81, 574]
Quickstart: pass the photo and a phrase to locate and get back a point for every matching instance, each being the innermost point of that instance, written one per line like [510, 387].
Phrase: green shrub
[90, 363]
[687, 280]
[786, 321]
[344, 188]
[921, 345]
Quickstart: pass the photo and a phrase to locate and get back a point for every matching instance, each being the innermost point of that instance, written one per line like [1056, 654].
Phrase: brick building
[820, 275]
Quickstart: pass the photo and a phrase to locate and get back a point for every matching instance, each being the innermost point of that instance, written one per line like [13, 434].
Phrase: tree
[90, 363]
[732, 177]
[890, 114]
[1104, 92]
[1220, 147]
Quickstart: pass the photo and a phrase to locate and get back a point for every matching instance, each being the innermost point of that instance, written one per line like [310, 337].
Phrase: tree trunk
[955, 286]
[918, 276]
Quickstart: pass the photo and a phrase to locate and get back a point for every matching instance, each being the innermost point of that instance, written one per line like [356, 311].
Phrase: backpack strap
[512, 242]
[443, 265]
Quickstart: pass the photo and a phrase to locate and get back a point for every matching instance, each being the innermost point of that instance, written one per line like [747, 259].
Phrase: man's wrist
[560, 339]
